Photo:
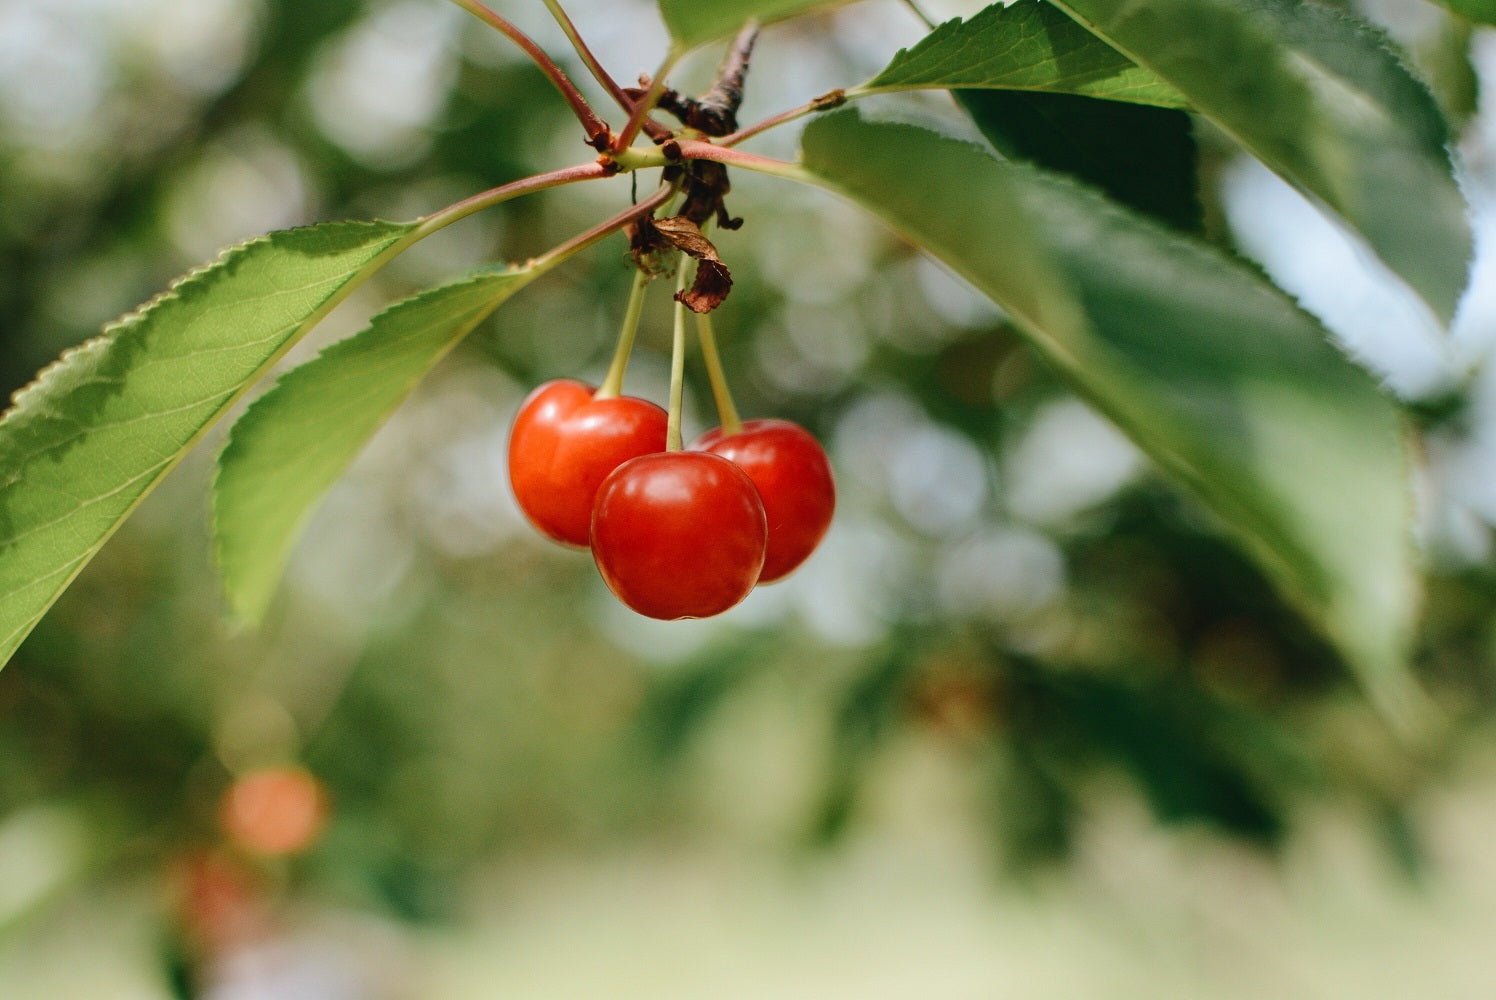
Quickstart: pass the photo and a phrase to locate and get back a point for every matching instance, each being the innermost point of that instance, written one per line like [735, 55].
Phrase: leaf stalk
[599, 135]
[594, 67]
[646, 103]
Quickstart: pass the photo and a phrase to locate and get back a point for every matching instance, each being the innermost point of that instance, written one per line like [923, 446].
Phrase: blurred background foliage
[1025, 726]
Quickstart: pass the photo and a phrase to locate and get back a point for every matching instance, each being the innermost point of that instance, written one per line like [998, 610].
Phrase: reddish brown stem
[618, 221]
[599, 134]
[695, 149]
[554, 178]
[827, 101]
[644, 105]
[593, 66]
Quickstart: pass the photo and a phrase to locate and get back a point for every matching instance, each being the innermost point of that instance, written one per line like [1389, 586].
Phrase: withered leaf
[713, 282]
[685, 235]
[713, 279]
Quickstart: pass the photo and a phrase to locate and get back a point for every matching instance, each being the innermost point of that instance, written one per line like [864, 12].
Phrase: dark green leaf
[1210, 369]
[1142, 156]
[85, 442]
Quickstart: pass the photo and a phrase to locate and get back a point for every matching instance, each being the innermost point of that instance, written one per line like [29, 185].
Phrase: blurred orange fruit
[274, 810]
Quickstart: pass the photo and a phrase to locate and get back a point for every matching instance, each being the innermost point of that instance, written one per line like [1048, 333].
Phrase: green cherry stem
[920, 13]
[646, 104]
[727, 412]
[613, 382]
[677, 362]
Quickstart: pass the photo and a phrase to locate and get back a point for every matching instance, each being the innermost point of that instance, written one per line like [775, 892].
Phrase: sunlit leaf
[1030, 45]
[1323, 100]
[85, 442]
[1480, 11]
[693, 22]
[1210, 369]
[1044, 89]
[294, 441]
[1444, 56]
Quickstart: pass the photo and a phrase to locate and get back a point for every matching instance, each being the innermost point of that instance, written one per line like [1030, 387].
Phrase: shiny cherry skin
[789, 469]
[679, 534]
[563, 445]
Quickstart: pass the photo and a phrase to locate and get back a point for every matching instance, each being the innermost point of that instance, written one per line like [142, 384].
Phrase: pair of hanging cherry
[675, 532]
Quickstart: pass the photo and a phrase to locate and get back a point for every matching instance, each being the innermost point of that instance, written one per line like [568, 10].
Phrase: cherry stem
[695, 149]
[727, 413]
[677, 362]
[613, 382]
[827, 101]
[583, 240]
[445, 217]
[599, 135]
[919, 13]
[588, 59]
[646, 103]
[429, 224]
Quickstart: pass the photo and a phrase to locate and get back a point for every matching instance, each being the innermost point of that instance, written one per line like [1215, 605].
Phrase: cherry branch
[599, 135]
[715, 112]
[722, 101]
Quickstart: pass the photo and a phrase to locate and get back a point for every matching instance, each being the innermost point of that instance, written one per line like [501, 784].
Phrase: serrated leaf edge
[250, 615]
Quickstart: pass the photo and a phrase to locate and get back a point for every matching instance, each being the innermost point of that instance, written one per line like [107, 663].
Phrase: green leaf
[1322, 99]
[85, 442]
[1444, 56]
[294, 441]
[1479, 11]
[1028, 46]
[695, 22]
[1142, 156]
[1210, 369]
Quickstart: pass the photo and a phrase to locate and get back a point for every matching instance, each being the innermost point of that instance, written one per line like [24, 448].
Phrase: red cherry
[788, 467]
[564, 443]
[679, 534]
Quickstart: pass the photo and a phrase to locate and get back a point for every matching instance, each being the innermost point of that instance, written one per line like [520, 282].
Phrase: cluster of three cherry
[675, 534]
